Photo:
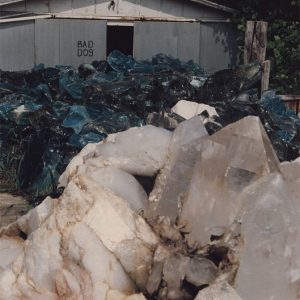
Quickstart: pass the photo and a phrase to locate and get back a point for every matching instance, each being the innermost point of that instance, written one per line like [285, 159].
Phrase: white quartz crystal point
[189, 109]
[219, 291]
[120, 182]
[90, 244]
[173, 180]
[270, 260]
[228, 161]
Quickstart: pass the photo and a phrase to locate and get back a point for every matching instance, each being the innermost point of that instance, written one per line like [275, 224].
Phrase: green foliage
[283, 37]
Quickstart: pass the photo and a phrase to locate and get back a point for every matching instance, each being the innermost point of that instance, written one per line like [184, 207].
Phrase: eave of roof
[216, 6]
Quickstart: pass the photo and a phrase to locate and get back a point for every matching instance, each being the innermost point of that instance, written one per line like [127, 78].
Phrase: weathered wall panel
[189, 41]
[151, 38]
[17, 46]
[212, 45]
[82, 41]
[218, 46]
[47, 42]
[181, 40]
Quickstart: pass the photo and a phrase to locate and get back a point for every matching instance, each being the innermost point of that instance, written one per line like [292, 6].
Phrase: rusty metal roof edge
[140, 18]
[108, 18]
[216, 6]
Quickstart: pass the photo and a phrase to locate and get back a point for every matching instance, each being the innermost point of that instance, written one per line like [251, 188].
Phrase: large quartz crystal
[228, 161]
[88, 244]
[172, 182]
[270, 261]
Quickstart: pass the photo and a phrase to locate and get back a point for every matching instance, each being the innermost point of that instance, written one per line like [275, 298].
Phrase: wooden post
[255, 42]
[265, 80]
[256, 48]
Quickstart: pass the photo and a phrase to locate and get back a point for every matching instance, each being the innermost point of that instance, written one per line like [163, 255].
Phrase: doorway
[120, 38]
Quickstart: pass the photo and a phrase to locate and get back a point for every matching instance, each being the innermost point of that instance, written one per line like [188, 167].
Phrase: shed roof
[5, 2]
[215, 5]
[203, 2]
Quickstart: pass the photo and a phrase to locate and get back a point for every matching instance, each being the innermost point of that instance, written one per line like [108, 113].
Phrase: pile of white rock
[221, 221]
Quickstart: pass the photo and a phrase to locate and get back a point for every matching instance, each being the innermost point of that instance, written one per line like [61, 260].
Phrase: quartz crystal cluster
[152, 214]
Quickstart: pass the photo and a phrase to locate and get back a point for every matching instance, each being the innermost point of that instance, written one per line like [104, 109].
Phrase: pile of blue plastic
[47, 115]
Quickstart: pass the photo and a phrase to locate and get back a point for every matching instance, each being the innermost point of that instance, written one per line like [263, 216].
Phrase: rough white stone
[218, 291]
[120, 182]
[10, 249]
[87, 152]
[90, 243]
[114, 295]
[189, 109]
[32, 220]
[138, 151]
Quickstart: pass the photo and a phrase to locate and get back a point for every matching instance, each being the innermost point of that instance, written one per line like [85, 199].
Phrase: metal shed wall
[218, 46]
[51, 41]
[181, 40]
[212, 45]
[69, 42]
[74, 41]
[17, 45]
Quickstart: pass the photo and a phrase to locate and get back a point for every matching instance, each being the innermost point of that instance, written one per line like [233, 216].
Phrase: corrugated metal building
[71, 32]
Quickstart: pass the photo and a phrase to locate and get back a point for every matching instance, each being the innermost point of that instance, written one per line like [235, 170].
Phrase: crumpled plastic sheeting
[47, 115]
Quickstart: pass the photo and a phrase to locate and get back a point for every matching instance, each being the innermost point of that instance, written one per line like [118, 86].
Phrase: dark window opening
[120, 38]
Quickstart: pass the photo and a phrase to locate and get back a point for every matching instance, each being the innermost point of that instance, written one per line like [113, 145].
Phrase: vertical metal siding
[218, 46]
[76, 38]
[212, 45]
[17, 46]
[189, 41]
[47, 42]
[179, 39]
[69, 42]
